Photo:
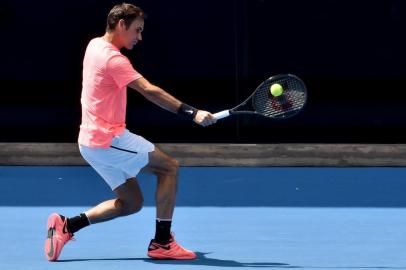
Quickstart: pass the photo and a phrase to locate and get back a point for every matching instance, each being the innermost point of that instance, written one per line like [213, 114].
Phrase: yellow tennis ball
[276, 89]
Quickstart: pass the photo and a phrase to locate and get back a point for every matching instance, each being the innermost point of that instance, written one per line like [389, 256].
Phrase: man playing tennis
[114, 152]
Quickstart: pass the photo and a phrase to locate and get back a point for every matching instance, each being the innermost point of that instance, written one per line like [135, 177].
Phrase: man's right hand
[204, 118]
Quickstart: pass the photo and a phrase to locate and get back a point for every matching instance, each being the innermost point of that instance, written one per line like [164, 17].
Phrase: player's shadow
[203, 260]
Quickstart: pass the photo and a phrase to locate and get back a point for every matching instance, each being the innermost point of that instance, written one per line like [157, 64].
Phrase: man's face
[132, 35]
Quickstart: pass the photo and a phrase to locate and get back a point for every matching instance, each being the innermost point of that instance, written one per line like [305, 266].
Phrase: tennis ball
[276, 89]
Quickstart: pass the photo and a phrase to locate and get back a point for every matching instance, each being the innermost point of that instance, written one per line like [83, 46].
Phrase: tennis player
[113, 151]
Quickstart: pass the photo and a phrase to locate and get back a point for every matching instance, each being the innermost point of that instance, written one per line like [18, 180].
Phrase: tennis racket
[262, 102]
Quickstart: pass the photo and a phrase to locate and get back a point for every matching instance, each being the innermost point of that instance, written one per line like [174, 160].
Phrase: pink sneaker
[172, 250]
[58, 236]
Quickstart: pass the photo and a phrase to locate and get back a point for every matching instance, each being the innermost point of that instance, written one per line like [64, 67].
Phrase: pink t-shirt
[106, 74]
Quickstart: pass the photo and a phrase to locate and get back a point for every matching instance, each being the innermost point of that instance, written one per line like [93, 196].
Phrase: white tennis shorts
[124, 159]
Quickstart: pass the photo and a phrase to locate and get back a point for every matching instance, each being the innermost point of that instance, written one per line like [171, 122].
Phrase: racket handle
[222, 114]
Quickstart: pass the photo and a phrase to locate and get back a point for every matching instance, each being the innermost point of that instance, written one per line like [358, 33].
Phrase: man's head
[126, 21]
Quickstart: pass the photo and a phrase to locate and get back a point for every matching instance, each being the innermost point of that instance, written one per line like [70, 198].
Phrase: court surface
[240, 218]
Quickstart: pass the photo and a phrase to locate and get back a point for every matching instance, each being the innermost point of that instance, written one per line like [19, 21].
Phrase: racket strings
[286, 105]
[275, 106]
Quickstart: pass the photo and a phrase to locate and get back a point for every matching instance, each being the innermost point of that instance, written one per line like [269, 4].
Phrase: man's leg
[166, 170]
[164, 246]
[60, 229]
[129, 200]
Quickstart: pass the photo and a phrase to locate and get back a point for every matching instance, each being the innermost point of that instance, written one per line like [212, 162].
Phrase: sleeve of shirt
[121, 70]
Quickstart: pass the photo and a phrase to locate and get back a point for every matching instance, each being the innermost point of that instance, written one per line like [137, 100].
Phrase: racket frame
[236, 110]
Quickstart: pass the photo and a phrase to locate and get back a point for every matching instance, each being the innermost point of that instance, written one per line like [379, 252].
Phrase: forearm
[155, 94]
[162, 98]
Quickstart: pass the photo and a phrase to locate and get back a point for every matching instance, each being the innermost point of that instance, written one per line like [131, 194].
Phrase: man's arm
[163, 99]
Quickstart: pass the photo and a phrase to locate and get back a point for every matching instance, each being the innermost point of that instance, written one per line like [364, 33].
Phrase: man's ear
[121, 25]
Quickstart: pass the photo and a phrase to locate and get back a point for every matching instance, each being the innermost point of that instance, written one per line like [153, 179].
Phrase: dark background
[212, 55]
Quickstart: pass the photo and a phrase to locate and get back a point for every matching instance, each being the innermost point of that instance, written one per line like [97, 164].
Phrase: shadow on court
[201, 260]
[204, 261]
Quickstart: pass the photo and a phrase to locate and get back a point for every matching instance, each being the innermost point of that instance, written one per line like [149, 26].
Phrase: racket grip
[222, 114]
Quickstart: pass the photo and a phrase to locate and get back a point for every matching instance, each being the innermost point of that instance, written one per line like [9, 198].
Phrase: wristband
[187, 111]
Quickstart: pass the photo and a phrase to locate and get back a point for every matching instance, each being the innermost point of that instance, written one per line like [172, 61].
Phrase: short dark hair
[127, 12]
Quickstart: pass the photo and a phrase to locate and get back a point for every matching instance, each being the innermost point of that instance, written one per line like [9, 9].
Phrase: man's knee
[172, 167]
[162, 164]
[169, 167]
[131, 207]
[175, 165]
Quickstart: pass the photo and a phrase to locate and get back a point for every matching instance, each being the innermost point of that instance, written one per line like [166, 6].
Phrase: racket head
[290, 103]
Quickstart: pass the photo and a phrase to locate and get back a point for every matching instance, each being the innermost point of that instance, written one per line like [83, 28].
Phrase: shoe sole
[164, 257]
[50, 244]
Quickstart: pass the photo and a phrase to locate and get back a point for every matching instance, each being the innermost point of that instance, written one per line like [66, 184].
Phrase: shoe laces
[67, 236]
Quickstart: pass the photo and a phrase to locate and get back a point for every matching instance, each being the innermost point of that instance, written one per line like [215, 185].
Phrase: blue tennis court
[244, 218]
